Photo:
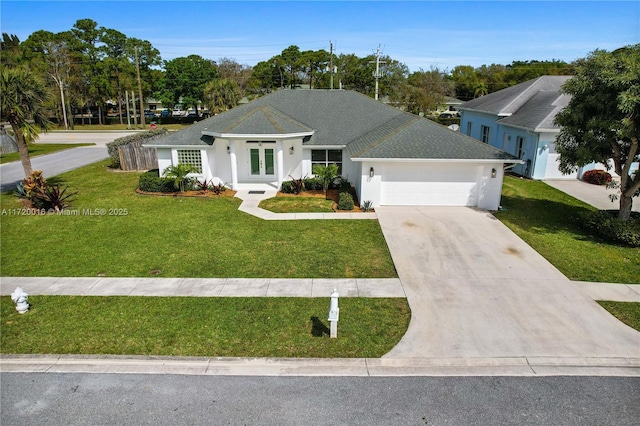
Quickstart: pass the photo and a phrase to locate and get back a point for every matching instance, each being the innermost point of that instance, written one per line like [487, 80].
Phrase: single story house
[520, 121]
[391, 157]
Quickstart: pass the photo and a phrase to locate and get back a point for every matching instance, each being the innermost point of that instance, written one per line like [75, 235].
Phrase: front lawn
[36, 149]
[115, 232]
[200, 326]
[549, 221]
[297, 205]
[627, 312]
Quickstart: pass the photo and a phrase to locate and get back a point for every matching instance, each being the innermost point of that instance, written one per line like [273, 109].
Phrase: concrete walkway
[596, 195]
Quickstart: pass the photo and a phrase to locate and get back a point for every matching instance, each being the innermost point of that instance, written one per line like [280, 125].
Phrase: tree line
[89, 65]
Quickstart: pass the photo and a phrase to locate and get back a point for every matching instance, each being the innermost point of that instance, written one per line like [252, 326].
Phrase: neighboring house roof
[532, 104]
[368, 128]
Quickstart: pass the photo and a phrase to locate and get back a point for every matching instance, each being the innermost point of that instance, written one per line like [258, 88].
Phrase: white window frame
[326, 160]
[190, 156]
[520, 141]
[484, 133]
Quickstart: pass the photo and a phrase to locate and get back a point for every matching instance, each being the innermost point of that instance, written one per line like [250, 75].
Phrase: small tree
[179, 173]
[326, 174]
[602, 119]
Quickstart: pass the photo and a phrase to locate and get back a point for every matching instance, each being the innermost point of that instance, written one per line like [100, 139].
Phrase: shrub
[152, 182]
[345, 201]
[54, 198]
[596, 177]
[607, 226]
[138, 138]
[287, 187]
[367, 205]
[313, 184]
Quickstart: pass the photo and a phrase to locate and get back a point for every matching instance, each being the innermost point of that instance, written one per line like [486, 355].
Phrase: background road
[62, 161]
[98, 399]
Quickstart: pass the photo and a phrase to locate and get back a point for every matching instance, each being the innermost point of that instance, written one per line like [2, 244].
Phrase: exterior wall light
[291, 150]
[228, 149]
[371, 172]
[493, 173]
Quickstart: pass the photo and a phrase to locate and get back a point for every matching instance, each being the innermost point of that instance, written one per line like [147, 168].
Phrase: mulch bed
[197, 194]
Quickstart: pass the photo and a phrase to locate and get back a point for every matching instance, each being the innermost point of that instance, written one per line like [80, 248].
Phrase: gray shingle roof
[510, 100]
[369, 129]
[539, 112]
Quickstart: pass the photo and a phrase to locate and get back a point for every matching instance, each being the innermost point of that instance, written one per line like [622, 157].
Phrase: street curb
[534, 366]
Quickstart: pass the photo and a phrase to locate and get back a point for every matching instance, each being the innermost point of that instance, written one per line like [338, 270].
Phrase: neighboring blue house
[519, 120]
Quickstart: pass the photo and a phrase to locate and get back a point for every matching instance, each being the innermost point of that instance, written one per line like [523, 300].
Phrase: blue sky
[421, 34]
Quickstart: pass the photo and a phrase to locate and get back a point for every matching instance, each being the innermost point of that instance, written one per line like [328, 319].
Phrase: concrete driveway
[477, 290]
[596, 195]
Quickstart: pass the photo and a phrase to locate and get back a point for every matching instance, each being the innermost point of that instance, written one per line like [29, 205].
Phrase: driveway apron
[477, 290]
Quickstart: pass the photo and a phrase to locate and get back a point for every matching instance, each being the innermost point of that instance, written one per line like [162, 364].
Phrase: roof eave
[442, 160]
[258, 135]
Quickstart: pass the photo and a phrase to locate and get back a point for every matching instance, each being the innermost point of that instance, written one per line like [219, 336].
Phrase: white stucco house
[391, 157]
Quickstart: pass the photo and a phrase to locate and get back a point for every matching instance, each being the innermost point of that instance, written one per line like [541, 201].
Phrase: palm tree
[221, 95]
[23, 97]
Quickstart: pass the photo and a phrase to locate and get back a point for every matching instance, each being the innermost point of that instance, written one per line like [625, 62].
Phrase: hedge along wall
[138, 139]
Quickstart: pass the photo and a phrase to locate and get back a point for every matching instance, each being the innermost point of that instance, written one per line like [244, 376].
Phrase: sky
[421, 34]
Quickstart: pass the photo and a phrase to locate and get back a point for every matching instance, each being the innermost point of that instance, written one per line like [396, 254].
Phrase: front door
[262, 162]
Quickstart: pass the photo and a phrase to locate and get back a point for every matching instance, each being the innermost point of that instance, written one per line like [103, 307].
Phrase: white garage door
[429, 184]
[552, 171]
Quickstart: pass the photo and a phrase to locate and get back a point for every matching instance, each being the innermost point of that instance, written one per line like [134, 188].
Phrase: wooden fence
[135, 157]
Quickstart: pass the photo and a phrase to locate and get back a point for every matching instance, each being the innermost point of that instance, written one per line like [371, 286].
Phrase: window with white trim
[468, 128]
[192, 157]
[324, 157]
[484, 134]
[520, 146]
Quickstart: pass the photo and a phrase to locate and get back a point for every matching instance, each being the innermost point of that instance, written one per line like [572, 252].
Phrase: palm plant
[326, 174]
[23, 97]
[179, 173]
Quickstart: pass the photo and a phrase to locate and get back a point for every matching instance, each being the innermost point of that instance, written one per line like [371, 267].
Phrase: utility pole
[331, 63]
[377, 74]
[139, 88]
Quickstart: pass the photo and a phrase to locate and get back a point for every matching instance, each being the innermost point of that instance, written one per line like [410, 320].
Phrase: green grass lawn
[195, 326]
[297, 205]
[549, 221]
[627, 312]
[41, 149]
[181, 237]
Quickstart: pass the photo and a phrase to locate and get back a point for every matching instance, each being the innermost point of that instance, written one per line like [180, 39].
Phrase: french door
[262, 162]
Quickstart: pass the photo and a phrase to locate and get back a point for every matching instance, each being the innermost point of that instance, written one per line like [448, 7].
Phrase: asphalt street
[101, 399]
[61, 161]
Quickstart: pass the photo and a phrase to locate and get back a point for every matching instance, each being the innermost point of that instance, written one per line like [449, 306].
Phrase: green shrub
[312, 184]
[345, 201]
[152, 182]
[138, 138]
[607, 226]
[287, 187]
[596, 177]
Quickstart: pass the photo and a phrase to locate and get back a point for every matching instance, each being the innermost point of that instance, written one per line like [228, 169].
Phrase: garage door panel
[424, 184]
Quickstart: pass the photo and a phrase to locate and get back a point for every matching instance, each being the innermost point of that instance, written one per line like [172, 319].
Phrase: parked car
[165, 113]
[149, 113]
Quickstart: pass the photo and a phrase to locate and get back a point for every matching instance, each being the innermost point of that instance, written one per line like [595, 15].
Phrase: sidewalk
[204, 287]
